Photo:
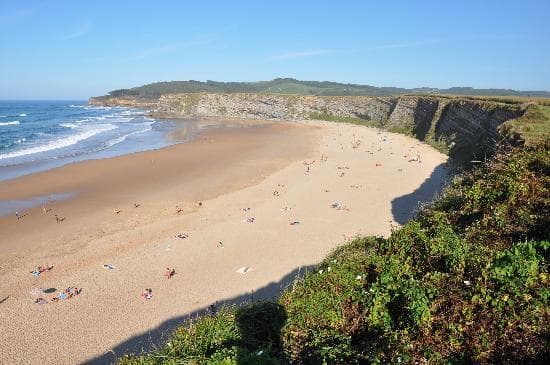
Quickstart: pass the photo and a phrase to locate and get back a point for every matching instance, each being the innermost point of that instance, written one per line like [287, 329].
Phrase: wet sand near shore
[127, 211]
[218, 161]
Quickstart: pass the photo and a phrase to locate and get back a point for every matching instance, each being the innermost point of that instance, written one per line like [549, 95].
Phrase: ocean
[40, 135]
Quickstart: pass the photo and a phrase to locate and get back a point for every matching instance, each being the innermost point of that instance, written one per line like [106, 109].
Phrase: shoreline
[185, 131]
[87, 186]
[273, 174]
[74, 133]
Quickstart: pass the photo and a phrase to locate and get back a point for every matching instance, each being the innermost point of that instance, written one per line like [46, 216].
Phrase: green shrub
[517, 269]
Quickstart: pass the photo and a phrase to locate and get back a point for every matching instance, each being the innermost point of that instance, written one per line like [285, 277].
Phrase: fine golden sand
[126, 212]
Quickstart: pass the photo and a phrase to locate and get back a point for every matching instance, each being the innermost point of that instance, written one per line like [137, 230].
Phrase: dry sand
[228, 169]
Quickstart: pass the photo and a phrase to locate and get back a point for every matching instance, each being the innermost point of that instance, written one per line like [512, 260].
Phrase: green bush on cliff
[533, 127]
[343, 119]
[465, 282]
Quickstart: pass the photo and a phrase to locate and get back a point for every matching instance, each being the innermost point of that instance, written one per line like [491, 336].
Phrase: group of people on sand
[66, 294]
[147, 293]
[45, 210]
[72, 291]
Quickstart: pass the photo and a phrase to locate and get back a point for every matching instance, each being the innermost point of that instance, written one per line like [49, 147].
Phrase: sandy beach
[335, 180]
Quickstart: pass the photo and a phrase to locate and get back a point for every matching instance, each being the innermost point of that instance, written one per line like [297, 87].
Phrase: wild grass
[532, 128]
[514, 100]
[343, 119]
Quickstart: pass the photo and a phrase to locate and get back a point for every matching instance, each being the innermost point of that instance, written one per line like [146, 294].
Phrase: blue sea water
[40, 135]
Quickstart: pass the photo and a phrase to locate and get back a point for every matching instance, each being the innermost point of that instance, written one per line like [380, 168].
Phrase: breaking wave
[61, 142]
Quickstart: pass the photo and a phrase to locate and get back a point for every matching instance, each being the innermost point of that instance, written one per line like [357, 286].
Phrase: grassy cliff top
[292, 86]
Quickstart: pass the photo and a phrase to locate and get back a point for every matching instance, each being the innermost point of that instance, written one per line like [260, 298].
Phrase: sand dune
[336, 180]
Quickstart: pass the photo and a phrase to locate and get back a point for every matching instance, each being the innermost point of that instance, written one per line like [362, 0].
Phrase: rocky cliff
[465, 127]
[124, 101]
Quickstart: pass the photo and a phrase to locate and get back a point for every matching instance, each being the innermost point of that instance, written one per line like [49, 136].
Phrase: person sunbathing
[46, 268]
[40, 301]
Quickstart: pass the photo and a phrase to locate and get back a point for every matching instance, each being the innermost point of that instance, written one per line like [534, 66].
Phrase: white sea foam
[15, 122]
[3, 116]
[120, 120]
[113, 118]
[129, 112]
[117, 140]
[17, 141]
[60, 143]
[69, 125]
[22, 115]
[76, 106]
[90, 107]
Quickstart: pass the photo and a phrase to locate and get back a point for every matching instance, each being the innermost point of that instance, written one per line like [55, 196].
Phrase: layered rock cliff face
[273, 106]
[124, 101]
[472, 126]
[466, 127]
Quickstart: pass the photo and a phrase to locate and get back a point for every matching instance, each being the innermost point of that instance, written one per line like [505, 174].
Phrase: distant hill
[292, 86]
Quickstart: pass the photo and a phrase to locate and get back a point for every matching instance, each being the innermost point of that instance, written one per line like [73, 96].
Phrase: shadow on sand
[405, 207]
[158, 336]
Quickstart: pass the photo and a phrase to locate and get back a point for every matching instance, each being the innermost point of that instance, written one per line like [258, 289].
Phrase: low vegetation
[533, 127]
[466, 281]
[343, 119]
[292, 86]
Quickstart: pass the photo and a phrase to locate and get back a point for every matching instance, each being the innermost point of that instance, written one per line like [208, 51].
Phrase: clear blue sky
[76, 49]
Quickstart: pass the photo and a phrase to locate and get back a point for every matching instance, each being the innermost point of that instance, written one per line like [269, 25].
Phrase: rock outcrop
[466, 127]
[124, 101]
